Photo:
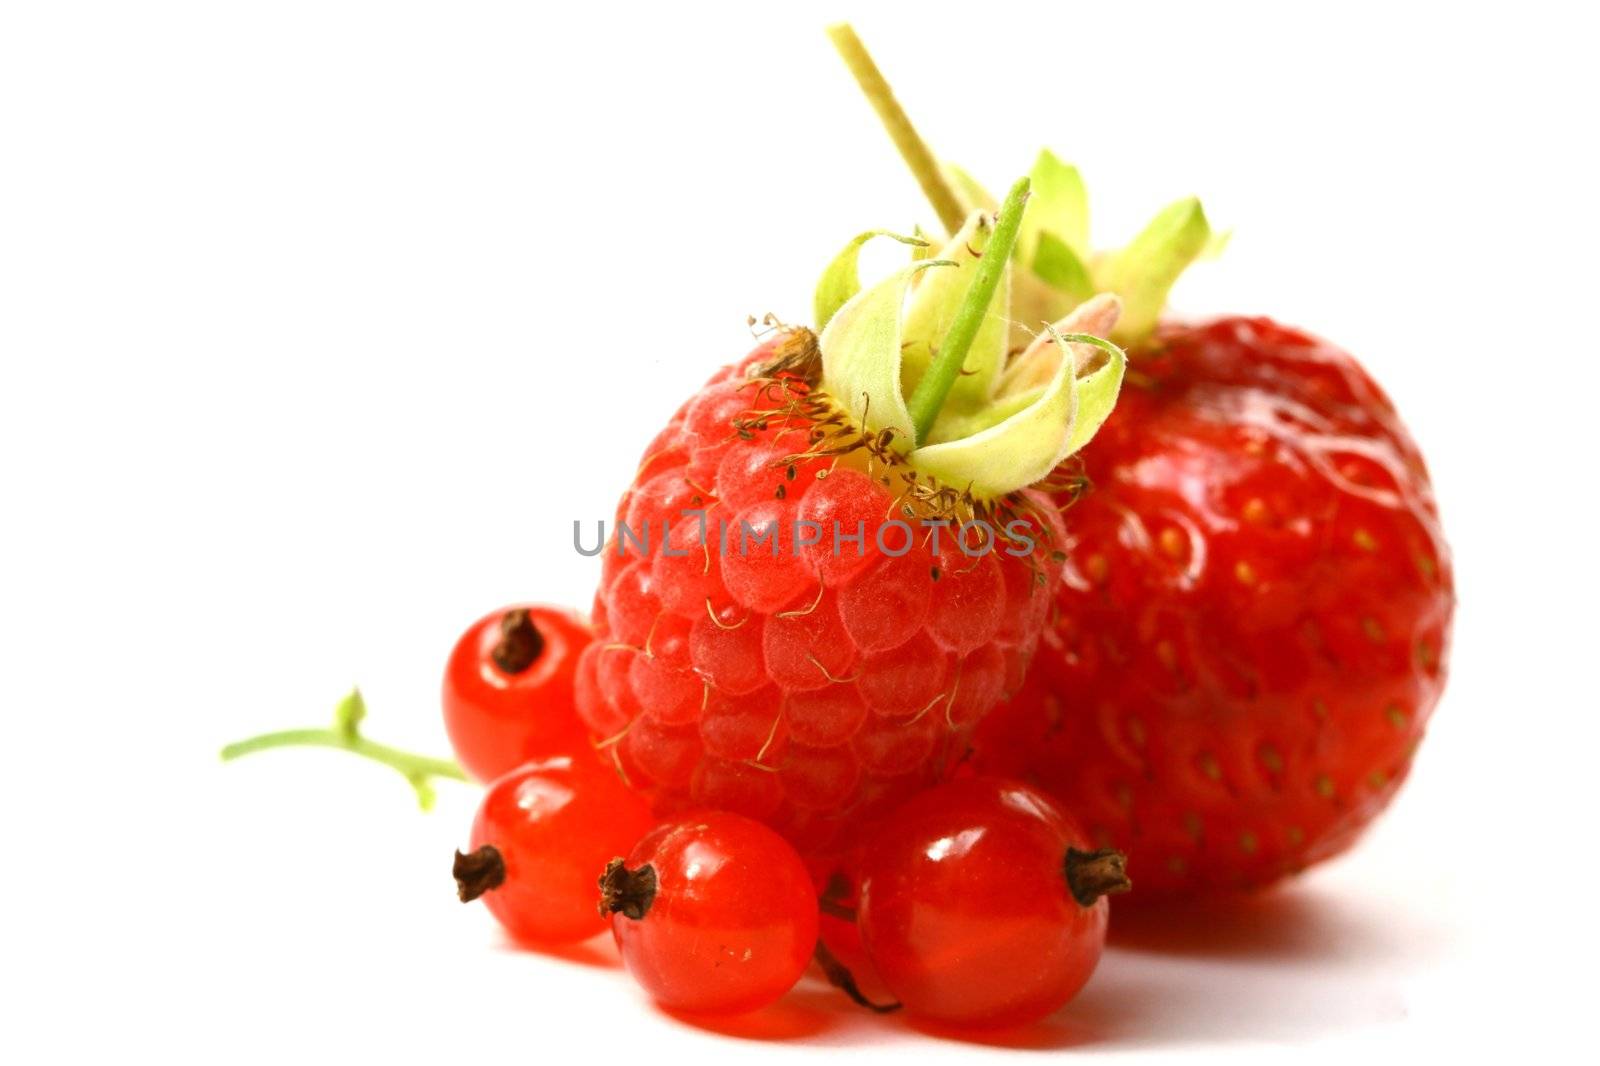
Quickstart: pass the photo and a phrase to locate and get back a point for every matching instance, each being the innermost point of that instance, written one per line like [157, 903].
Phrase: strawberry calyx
[1057, 269]
[920, 359]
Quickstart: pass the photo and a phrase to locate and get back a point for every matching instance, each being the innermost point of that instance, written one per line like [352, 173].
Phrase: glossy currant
[982, 903]
[508, 688]
[713, 913]
[540, 832]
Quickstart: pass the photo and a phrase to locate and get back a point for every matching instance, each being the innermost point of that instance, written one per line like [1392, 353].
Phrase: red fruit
[1254, 623]
[1253, 627]
[508, 689]
[834, 563]
[713, 914]
[539, 835]
[981, 903]
[795, 678]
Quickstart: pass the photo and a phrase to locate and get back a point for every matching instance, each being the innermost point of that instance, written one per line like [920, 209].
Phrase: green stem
[924, 167]
[941, 374]
[418, 770]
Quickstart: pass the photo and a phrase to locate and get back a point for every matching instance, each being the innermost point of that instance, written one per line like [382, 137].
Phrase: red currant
[508, 689]
[539, 835]
[714, 913]
[982, 903]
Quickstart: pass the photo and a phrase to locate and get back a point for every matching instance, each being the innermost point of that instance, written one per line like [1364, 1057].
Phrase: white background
[320, 322]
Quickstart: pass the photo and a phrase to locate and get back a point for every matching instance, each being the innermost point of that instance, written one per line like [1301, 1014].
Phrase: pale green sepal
[952, 426]
[1041, 424]
[1059, 204]
[973, 195]
[1037, 363]
[1217, 244]
[1012, 454]
[861, 355]
[1057, 265]
[840, 280]
[934, 303]
[1097, 391]
[1143, 272]
[1033, 302]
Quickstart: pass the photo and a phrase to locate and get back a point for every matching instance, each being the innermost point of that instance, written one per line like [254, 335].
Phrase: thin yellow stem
[924, 167]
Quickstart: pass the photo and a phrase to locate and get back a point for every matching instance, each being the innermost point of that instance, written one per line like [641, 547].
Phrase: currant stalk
[345, 734]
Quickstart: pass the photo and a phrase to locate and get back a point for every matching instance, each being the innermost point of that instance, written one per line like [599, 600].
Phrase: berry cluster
[772, 745]
[560, 847]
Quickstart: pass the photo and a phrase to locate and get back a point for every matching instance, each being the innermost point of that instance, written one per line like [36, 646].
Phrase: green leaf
[953, 425]
[840, 279]
[1059, 205]
[1056, 264]
[934, 304]
[861, 354]
[1143, 272]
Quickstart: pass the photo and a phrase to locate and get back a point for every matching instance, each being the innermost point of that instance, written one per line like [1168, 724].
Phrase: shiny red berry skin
[809, 688]
[508, 689]
[1253, 625]
[713, 913]
[550, 825]
[965, 906]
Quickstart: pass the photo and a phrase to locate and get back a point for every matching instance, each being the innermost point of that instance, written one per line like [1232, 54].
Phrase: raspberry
[792, 684]
[811, 603]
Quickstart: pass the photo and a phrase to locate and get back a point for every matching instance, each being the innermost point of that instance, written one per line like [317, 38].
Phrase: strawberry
[1253, 627]
[1253, 624]
[783, 627]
